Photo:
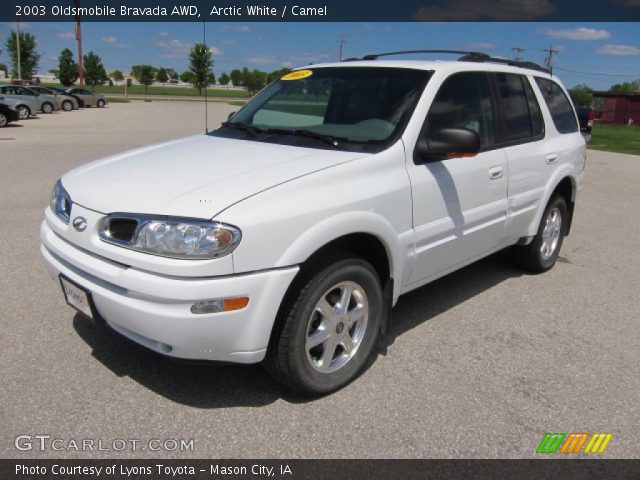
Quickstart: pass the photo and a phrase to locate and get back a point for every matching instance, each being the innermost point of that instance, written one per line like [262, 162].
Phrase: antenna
[206, 80]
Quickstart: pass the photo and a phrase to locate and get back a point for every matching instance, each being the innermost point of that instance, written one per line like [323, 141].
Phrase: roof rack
[466, 57]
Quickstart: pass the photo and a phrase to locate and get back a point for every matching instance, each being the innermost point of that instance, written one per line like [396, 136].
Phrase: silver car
[44, 103]
[67, 102]
[86, 98]
[25, 104]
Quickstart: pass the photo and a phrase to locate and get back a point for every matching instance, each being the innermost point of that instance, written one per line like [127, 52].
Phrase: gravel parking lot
[481, 363]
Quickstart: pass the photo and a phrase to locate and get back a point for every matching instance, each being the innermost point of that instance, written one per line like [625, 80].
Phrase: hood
[193, 177]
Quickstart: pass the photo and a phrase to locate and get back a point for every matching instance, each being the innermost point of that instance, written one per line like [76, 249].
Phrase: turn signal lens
[220, 305]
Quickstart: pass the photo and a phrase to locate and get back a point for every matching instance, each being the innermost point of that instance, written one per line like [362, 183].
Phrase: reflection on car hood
[193, 177]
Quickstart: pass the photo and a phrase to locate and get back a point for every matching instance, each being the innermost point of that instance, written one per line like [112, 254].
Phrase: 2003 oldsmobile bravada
[286, 235]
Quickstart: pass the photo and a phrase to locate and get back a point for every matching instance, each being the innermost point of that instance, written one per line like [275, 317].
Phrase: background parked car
[67, 102]
[586, 118]
[25, 105]
[43, 103]
[86, 98]
[7, 115]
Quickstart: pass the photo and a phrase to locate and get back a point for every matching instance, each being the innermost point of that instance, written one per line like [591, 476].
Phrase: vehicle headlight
[60, 202]
[171, 237]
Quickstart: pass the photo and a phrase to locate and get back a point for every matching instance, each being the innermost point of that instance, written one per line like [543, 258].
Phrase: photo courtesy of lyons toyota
[287, 235]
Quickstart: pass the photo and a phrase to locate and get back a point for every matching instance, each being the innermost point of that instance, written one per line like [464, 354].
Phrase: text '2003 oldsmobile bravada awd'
[286, 235]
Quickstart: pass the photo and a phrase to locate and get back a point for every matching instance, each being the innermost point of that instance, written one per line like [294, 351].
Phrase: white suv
[287, 235]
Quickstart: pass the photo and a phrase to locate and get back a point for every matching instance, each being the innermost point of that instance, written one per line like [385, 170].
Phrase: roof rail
[466, 57]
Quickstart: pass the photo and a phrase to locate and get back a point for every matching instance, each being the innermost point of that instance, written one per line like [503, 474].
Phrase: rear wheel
[67, 106]
[541, 254]
[100, 103]
[3, 120]
[47, 108]
[329, 333]
[23, 112]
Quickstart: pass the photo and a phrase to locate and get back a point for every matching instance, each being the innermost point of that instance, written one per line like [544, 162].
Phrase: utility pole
[518, 51]
[549, 59]
[79, 39]
[340, 46]
[18, 49]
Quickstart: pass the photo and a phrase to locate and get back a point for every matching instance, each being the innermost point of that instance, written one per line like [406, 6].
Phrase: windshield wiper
[333, 141]
[253, 131]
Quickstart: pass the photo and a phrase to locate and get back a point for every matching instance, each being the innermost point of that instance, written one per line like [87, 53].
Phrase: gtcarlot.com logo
[45, 443]
[574, 443]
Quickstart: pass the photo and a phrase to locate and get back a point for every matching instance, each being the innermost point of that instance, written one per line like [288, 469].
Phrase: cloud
[215, 51]
[618, 50]
[66, 35]
[171, 47]
[582, 33]
[236, 28]
[482, 46]
[263, 60]
[229, 42]
[467, 10]
[110, 40]
[163, 34]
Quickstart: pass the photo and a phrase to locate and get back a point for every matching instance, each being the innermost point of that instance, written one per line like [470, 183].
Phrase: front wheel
[47, 108]
[100, 103]
[67, 106]
[541, 254]
[23, 112]
[3, 120]
[329, 333]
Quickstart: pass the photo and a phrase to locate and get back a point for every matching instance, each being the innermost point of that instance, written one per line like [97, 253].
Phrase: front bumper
[155, 310]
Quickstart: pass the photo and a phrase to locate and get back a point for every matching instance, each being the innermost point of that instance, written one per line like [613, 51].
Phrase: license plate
[77, 297]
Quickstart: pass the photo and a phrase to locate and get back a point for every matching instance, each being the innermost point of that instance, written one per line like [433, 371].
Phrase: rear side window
[515, 106]
[464, 101]
[559, 105]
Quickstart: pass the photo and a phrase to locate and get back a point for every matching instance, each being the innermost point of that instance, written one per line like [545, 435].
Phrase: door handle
[495, 173]
[551, 159]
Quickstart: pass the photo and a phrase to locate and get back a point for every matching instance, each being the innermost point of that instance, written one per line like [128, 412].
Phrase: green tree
[117, 76]
[236, 77]
[255, 80]
[161, 75]
[582, 95]
[224, 79]
[276, 74]
[3, 67]
[626, 87]
[173, 75]
[94, 72]
[186, 76]
[67, 68]
[29, 58]
[200, 64]
[144, 74]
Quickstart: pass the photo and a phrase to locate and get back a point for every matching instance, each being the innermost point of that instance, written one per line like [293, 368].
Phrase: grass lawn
[159, 90]
[615, 138]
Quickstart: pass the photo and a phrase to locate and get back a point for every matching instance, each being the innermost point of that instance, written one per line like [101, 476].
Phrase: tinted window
[464, 101]
[537, 123]
[517, 125]
[559, 105]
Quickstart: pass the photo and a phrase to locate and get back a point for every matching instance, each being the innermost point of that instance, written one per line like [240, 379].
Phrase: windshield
[339, 106]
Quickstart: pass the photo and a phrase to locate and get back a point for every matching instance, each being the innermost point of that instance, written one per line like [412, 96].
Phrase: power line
[600, 73]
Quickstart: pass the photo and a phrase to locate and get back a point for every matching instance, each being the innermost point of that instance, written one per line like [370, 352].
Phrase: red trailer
[620, 108]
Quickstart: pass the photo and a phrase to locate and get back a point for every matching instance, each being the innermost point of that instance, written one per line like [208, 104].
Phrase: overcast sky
[607, 53]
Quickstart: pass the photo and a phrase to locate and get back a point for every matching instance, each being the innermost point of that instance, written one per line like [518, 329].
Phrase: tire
[315, 349]
[67, 105]
[541, 254]
[47, 108]
[23, 112]
[4, 121]
[100, 103]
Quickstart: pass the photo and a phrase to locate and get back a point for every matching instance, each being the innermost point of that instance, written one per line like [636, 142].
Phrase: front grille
[122, 229]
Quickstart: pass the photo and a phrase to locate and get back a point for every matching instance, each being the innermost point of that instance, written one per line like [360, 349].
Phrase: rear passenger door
[459, 204]
[521, 133]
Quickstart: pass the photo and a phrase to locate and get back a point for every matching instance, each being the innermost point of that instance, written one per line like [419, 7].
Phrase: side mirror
[231, 115]
[447, 143]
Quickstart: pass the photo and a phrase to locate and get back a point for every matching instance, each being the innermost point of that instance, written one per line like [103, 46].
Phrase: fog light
[220, 305]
